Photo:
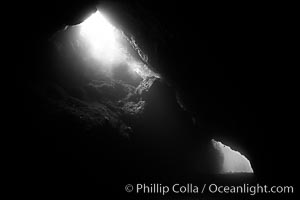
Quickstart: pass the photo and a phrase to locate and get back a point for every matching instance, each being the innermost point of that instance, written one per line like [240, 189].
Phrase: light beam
[102, 39]
[107, 45]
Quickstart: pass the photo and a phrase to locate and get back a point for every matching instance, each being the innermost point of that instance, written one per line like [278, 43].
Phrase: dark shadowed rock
[87, 130]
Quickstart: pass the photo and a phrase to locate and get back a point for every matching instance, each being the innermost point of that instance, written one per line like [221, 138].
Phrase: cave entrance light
[103, 39]
[108, 45]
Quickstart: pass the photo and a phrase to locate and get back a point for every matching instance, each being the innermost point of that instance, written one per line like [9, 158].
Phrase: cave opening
[110, 71]
[104, 51]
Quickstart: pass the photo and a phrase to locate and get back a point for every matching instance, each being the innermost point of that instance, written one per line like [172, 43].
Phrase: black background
[234, 65]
